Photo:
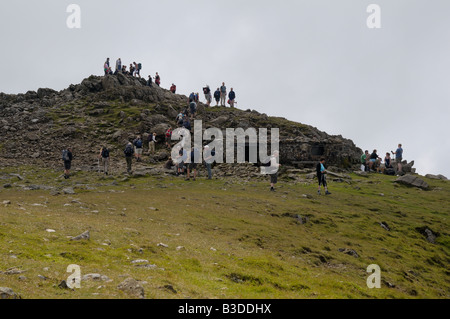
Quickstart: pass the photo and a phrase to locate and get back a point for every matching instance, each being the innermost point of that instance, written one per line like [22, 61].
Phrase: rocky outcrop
[111, 110]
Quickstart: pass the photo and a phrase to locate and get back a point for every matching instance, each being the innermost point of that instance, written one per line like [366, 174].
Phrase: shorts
[67, 164]
[373, 160]
[192, 165]
[273, 178]
[138, 151]
[398, 159]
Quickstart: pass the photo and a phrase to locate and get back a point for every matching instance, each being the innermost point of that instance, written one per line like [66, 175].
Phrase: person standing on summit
[223, 94]
[231, 97]
[398, 158]
[157, 79]
[118, 65]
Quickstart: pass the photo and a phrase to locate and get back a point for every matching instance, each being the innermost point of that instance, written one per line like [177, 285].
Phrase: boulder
[440, 177]
[132, 287]
[411, 180]
[8, 293]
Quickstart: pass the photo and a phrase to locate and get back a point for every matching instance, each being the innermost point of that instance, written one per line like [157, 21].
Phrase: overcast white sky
[311, 61]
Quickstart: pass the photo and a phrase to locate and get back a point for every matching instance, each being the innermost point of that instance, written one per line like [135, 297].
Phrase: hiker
[209, 159]
[274, 166]
[321, 175]
[104, 156]
[192, 109]
[124, 69]
[193, 165]
[231, 97]
[223, 94]
[149, 82]
[67, 158]
[169, 163]
[387, 161]
[129, 152]
[217, 96]
[398, 158]
[207, 92]
[181, 159]
[118, 65]
[373, 161]
[179, 119]
[168, 137]
[187, 124]
[364, 161]
[107, 68]
[173, 88]
[157, 79]
[138, 148]
[152, 143]
[191, 97]
[137, 69]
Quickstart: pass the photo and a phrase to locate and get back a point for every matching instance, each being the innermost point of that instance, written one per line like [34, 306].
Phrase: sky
[311, 61]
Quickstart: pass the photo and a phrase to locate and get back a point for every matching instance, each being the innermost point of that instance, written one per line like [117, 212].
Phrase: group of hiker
[220, 95]
[134, 70]
[374, 163]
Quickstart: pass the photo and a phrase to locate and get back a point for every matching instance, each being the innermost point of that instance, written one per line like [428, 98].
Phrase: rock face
[112, 109]
[411, 180]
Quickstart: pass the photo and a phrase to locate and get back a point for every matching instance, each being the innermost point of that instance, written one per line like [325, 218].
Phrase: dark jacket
[217, 95]
[232, 95]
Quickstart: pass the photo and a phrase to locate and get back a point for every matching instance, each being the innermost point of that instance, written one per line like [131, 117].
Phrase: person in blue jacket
[231, 97]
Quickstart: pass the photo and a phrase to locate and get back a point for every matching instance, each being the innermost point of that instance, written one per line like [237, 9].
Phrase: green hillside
[221, 238]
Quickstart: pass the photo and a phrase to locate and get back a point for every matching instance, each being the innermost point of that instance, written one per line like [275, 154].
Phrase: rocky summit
[110, 110]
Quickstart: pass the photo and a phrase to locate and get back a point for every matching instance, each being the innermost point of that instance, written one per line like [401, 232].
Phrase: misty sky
[312, 61]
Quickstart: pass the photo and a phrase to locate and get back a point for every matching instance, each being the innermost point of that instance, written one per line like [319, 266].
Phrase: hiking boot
[272, 189]
[327, 193]
[318, 192]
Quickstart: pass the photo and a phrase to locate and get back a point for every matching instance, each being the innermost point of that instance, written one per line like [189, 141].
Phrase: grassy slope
[240, 240]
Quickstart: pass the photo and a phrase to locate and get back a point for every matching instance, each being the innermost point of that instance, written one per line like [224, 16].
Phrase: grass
[226, 238]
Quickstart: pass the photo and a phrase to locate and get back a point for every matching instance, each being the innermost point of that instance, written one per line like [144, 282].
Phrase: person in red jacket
[173, 88]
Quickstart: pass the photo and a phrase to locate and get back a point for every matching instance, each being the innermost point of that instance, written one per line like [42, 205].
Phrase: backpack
[65, 155]
[138, 143]
[139, 66]
[128, 150]
[105, 152]
[390, 171]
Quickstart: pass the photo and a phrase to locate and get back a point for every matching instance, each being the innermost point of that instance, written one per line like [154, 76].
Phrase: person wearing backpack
[191, 97]
[129, 152]
[217, 96]
[138, 148]
[104, 156]
[231, 97]
[67, 159]
[193, 109]
[321, 175]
